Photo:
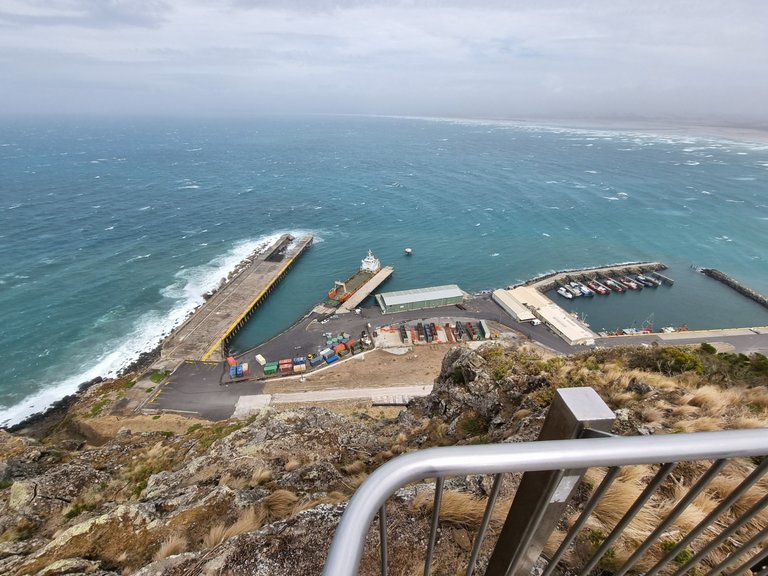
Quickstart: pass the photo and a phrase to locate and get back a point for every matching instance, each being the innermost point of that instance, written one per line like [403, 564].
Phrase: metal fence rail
[564, 456]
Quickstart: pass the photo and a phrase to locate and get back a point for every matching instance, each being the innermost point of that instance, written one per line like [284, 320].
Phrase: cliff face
[264, 496]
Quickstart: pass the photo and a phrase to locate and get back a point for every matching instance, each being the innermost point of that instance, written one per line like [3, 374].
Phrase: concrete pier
[356, 299]
[205, 334]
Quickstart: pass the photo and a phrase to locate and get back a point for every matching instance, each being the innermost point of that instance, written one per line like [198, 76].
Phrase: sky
[704, 60]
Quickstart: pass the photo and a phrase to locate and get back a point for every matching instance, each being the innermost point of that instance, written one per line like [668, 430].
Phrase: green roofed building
[420, 298]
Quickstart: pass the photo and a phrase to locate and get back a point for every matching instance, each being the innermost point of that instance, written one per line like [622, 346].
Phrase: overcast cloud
[702, 60]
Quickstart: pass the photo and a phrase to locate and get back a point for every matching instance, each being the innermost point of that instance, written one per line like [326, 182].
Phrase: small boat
[595, 286]
[565, 293]
[629, 283]
[408, 251]
[613, 285]
[654, 282]
[644, 281]
[584, 291]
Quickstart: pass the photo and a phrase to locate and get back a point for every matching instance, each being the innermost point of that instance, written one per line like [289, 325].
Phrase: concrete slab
[247, 405]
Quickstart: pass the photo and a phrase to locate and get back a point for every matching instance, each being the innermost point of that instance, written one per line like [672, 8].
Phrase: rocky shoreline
[40, 423]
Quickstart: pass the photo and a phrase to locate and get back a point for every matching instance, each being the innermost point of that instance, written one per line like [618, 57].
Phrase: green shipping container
[270, 368]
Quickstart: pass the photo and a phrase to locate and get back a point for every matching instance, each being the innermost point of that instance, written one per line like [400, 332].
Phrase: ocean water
[110, 232]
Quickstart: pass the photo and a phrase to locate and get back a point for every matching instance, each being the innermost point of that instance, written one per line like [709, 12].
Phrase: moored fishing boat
[565, 293]
[595, 286]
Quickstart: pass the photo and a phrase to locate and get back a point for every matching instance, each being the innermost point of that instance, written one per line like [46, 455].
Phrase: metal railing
[564, 457]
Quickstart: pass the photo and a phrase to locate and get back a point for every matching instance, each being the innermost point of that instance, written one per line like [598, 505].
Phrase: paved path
[247, 404]
[740, 340]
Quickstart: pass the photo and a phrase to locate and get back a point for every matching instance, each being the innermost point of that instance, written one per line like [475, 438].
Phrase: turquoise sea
[110, 232]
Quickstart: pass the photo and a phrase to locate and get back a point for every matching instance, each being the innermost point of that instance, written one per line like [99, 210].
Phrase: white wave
[494, 254]
[109, 228]
[611, 198]
[150, 328]
[139, 257]
[692, 163]
[145, 208]
[545, 234]
[734, 201]
[188, 187]
[706, 192]
[744, 179]
[591, 171]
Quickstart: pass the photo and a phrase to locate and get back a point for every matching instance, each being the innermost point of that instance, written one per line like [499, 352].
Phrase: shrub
[158, 377]
[707, 348]
[99, 406]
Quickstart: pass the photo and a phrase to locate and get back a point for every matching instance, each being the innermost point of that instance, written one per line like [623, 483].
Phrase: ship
[343, 291]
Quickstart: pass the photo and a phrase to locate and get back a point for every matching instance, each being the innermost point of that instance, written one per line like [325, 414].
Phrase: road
[205, 389]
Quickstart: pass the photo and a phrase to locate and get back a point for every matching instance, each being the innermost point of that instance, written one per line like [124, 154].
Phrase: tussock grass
[650, 414]
[171, 546]
[260, 476]
[280, 504]
[684, 411]
[354, 468]
[702, 424]
[331, 498]
[714, 399]
[215, 535]
[234, 482]
[462, 509]
[249, 520]
[292, 464]
[356, 480]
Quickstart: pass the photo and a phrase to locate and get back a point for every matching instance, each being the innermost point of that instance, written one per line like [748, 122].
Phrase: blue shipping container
[299, 360]
[239, 370]
[316, 361]
[331, 358]
[233, 371]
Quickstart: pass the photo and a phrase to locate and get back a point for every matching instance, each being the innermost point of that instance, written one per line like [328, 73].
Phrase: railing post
[543, 496]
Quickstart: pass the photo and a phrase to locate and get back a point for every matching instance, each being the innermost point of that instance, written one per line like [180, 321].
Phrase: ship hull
[353, 284]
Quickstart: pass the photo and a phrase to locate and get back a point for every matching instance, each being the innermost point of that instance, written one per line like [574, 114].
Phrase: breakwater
[549, 281]
[736, 285]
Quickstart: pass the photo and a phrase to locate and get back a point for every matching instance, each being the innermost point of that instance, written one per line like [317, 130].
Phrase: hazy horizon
[556, 60]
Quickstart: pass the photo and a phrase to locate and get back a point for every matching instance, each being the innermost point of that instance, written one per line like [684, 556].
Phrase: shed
[419, 298]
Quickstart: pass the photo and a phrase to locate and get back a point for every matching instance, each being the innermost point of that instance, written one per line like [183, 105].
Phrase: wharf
[205, 334]
[356, 299]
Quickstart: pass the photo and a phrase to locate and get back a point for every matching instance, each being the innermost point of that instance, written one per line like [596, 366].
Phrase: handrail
[347, 546]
